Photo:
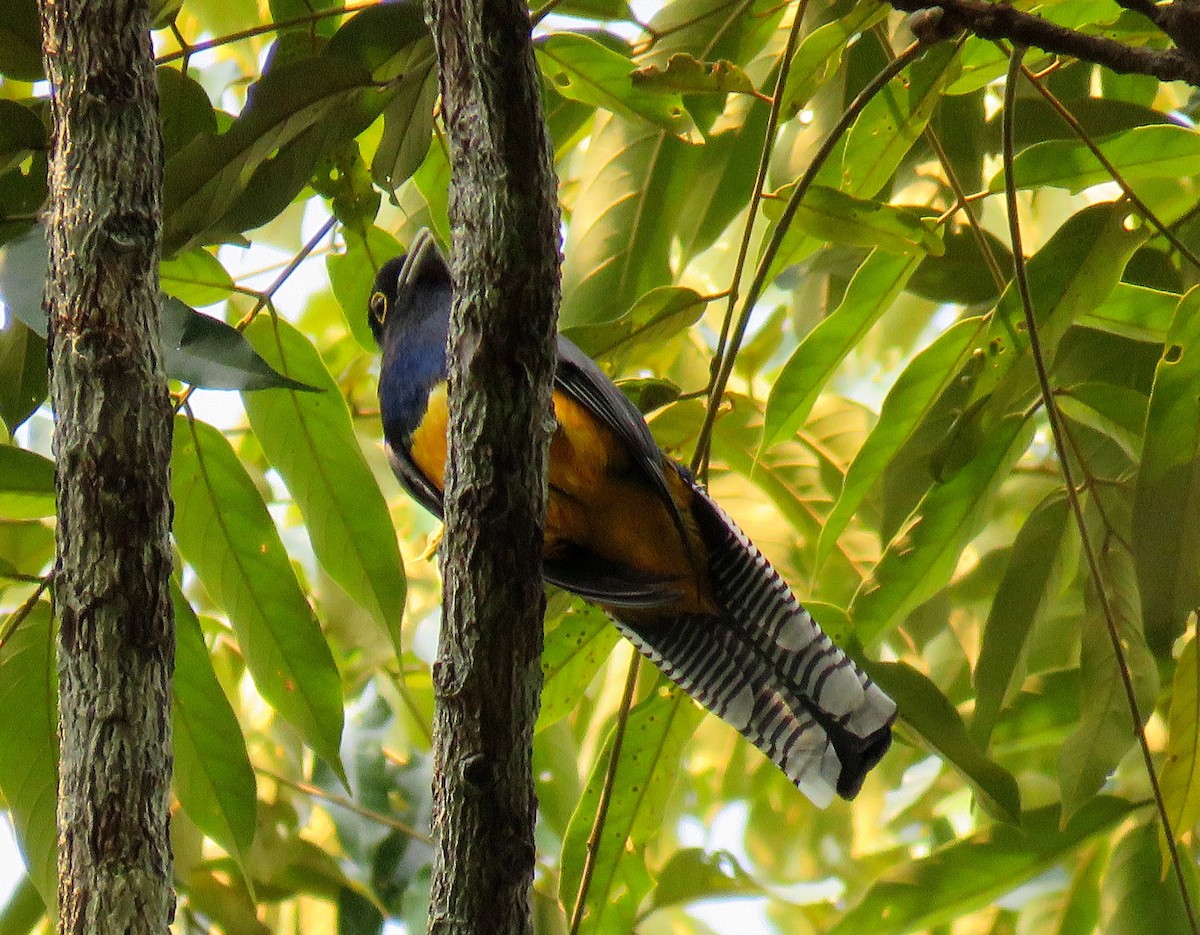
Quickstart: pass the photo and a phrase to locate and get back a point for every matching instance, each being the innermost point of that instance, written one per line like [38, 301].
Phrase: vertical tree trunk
[504, 213]
[112, 444]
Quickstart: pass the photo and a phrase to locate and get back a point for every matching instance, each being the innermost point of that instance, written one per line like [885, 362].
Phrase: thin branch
[759, 283]
[17, 617]
[1001, 21]
[610, 778]
[1057, 430]
[700, 455]
[318, 793]
[1142, 208]
[307, 20]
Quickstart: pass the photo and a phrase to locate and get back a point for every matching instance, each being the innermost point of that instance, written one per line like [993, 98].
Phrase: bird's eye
[378, 306]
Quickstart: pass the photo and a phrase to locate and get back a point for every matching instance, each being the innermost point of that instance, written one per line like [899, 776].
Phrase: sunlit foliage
[883, 439]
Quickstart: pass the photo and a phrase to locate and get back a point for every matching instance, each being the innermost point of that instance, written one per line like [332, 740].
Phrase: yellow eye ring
[378, 306]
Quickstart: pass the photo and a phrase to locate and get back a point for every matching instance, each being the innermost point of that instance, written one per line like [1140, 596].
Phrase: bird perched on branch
[629, 529]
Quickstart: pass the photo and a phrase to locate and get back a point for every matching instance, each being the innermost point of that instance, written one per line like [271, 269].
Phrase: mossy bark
[112, 445]
[504, 213]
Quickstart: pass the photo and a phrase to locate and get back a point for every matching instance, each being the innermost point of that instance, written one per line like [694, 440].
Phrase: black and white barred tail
[766, 667]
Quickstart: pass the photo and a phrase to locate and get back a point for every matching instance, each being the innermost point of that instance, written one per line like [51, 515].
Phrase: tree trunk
[504, 212]
[112, 445]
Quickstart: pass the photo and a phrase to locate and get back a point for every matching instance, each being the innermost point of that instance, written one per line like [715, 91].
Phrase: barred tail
[765, 667]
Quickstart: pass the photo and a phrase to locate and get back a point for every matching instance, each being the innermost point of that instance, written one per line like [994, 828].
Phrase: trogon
[632, 531]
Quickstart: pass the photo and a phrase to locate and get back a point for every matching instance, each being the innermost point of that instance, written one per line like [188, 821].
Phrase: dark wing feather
[419, 487]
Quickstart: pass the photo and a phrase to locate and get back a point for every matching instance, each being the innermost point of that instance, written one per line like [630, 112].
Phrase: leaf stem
[1056, 428]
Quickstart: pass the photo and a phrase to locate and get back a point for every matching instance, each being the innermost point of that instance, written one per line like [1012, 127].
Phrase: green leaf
[206, 179]
[20, 40]
[352, 276]
[829, 215]
[195, 278]
[821, 52]
[386, 39]
[1180, 778]
[1166, 511]
[310, 440]
[893, 120]
[1074, 272]
[1117, 412]
[23, 373]
[871, 292]
[617, 249]
[204, 351]
[1076, 909]
[936, 721]
[1166, 151]
[922, 557]
[1137, 897]
[1031, 583]
[1133, 312]
[657, 316]
[26, 484]
[212, 776]
[686, 74]
[655, 735]
[407, 129]
[960, 275]
[225, 533]
[581, 69]
[184, 110]
[574, 651]
[23, 910]
[693, 874]
[21, 133]
[906, 406]
[967, 875]
[29, 724]
[1106, 731]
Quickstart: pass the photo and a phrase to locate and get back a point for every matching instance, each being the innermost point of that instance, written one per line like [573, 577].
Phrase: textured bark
[112, 445]
[487, 678]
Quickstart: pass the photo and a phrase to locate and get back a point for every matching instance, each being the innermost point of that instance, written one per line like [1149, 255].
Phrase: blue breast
[414, 361]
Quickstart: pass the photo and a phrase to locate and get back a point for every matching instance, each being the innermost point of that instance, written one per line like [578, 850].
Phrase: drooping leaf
[582, 69]
[407, 129]
[1165, 151]
[927, 711]
[387, 39]
[655, 735]
[870, 293]
[1136, 896]
[23, 374]
[1030, 584]
[971, 873]
[919, 561]
[694, 874]
[1133, 312]
[225, 533]
[617, 247]
[310, 440]
[912, 397]
[29, 724]
[1180, 779]
[1166, 512]
[1117, 412]
[184, 109]
[658, 315]
[195, 278]
[1106, 730]
[26, 484]
[893, 120]
[204, 351]
[212, 775]
[821, 52]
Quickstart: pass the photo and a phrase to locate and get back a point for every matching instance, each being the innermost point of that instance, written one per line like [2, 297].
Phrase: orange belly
[598, 503]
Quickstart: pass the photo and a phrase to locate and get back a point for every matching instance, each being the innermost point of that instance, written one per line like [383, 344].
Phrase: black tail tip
[860, 758]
